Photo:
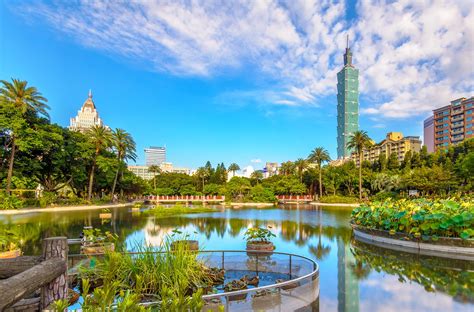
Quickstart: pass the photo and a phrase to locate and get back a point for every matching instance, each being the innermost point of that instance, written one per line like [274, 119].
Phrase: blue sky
[230, 82]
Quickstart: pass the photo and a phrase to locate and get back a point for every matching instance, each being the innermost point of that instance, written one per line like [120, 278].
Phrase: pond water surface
[353, 276]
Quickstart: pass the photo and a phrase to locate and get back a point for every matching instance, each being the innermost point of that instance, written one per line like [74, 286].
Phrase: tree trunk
[10, 166]
[360, 175]
[320, 183]
[115, 182]
[11, 267]
[91, 179]
[16, 287]
[55, 248]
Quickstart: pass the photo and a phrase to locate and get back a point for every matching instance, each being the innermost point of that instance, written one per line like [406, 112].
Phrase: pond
[353, 276]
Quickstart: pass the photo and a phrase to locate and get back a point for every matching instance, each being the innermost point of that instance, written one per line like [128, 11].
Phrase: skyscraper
[155, 155]
[347, 103]
[87, 116]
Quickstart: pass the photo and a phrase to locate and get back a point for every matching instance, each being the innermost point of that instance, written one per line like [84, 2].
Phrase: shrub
[259, 194]
[382, 196]
[419, 217]
[10, 201]
[337, 199]
[48, 198]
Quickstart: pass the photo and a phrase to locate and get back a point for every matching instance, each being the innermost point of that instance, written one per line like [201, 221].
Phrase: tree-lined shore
[91, 167]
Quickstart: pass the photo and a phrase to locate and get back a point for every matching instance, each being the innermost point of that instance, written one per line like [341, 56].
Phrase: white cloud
[256, 161]
[413, 56]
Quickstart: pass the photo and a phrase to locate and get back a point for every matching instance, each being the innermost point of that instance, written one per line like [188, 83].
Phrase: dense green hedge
[419, 217]
[337, 199]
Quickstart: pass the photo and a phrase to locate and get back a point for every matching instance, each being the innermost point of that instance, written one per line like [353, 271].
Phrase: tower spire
[348, 54]
[90, 93]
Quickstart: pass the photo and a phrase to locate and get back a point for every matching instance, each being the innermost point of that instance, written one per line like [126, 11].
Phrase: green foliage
[10, 201]
[421, 217]
[48, 198]
[9, 240]
[259, 235]
[162, 211]
[94, 236]
[171, 276]
[384, 195]
[339, 199]
[259, 194]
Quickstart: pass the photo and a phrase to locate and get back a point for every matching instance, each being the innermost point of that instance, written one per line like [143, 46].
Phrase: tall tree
[234, 167]
[319, 155]
[25, 100]
[300, 165]
[358, 141]
[101, 138]
[125, 148]
[155, 169]
[287, 168]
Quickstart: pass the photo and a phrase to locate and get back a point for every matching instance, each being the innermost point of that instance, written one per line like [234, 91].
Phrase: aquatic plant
[94, 236]
[419, 218]
[162, 211]
[262, 235]
[171, 278]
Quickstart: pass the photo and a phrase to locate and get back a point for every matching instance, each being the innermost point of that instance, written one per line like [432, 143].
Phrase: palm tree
[257, 176]
[203, 173]
[358, 141]
[287, 168]
[155, 169]
[101, 138]
[234, 167]
[319, 155]
[125, 148]
[300, 165]
[24, 99]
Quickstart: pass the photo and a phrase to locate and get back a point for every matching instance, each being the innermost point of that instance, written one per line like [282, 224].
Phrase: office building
[453, 123]
[87, 116]
[395, 142]
[428, 134]
[347, 103]
[271, 169]
[144, 173]
[155, 155]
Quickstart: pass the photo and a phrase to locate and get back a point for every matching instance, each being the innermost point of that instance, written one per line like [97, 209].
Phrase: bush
[48, 198]
[259, 194]
[382, 196]
[337, 199]
[10, 201]
[419, 217]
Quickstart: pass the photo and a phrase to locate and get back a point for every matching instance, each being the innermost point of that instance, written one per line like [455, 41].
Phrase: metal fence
[297, 289]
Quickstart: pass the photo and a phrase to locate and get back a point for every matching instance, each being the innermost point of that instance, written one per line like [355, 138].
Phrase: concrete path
[62, 208]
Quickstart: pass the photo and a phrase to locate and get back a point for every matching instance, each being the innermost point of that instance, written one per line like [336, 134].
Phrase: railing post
[54, 247]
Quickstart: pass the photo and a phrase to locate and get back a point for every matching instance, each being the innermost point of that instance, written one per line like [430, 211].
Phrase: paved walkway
[61, 208]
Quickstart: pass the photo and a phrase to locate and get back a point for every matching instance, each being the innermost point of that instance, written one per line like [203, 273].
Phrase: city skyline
[236, 108]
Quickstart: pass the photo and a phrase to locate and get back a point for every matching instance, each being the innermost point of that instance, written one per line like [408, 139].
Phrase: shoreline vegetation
[46, 164]
[419, 219]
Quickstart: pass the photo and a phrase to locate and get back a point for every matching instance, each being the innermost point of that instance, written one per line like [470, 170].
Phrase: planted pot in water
[258, 239]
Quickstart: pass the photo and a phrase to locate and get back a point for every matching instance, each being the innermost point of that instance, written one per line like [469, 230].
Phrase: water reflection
[353, 276]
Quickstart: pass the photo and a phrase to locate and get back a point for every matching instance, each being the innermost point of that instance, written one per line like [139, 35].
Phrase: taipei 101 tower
[347, 103]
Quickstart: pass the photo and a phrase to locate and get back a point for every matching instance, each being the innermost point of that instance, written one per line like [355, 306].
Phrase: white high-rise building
[155, 155]
[87, 116]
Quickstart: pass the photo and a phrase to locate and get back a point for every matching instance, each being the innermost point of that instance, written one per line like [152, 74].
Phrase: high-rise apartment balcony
[457, 131]
[457, 138]
[457, 124]
[457, 118]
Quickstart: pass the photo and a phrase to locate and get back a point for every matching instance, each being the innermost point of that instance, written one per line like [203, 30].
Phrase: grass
[174, 279]
[162, 211]
[337, 199]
